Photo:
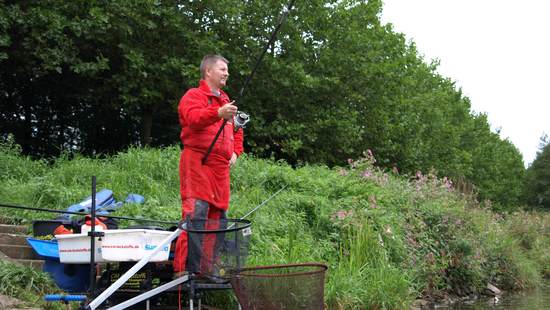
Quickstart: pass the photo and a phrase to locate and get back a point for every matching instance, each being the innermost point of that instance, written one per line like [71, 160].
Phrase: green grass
[26, 284]
[387, 239]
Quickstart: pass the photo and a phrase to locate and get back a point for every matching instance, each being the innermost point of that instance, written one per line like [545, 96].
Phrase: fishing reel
[240, 120]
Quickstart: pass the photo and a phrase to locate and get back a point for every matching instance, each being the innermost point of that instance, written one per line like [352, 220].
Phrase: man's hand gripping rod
[286, 11]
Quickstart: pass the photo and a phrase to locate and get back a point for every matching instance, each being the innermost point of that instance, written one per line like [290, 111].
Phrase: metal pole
[151, 293]
[118, 283]
[92, 241]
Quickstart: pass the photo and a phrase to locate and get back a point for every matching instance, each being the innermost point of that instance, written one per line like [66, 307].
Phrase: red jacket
[198, 116]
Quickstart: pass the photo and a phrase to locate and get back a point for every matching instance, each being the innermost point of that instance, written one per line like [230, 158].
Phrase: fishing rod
[259, 206]
[84, 213]
[263, 203]
[243, 118]
[12, 206]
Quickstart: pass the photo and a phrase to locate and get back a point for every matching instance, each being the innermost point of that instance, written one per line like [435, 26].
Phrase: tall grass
[26, 284]
[387, 238]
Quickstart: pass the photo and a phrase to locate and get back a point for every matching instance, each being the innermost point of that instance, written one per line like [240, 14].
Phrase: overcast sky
[497, 51]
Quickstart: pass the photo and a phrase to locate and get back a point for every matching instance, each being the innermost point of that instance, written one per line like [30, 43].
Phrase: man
[204, 187]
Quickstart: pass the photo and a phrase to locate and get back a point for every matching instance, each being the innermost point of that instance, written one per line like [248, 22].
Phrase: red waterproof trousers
[196, 251]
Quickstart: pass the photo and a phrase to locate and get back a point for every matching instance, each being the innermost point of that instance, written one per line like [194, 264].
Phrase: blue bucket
[73, 278]
[68, 277]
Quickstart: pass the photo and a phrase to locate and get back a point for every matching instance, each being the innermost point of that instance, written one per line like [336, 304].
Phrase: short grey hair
[208, 61]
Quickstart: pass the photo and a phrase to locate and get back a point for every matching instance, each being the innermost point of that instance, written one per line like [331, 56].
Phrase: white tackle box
[117, 245]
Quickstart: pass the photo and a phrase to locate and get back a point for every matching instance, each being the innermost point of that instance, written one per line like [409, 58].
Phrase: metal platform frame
[192, 284]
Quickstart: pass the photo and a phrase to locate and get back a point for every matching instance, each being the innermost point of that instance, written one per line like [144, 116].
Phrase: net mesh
[216, 248]
[295, 286]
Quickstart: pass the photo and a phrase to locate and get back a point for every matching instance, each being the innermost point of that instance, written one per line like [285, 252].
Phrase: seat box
[75, 249]
[121, 245]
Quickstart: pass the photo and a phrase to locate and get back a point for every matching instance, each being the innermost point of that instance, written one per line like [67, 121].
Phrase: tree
[537, 184]
[336, 82]
[75, 74]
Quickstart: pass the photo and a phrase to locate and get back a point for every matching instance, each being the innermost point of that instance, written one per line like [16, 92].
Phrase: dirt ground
[9, 303]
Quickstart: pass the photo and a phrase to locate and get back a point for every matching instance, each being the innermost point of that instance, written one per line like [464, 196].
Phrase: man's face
[217, 74]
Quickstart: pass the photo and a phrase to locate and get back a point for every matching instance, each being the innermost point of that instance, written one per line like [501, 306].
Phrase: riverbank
[530, 299]
[388, 239]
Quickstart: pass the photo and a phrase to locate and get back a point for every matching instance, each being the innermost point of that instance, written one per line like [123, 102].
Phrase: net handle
[321, 268]
[184, 225]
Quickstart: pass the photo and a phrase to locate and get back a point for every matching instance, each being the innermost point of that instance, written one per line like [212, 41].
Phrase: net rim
[246, 224]
[245, 272]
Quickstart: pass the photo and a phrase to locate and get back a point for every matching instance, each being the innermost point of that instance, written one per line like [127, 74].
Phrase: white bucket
[75, 249]
[121, 245]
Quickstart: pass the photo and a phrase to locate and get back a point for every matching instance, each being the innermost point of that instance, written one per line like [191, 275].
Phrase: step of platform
[18, 251]
[14, 247]
[13, 239]
[13, 229]
[35, 263]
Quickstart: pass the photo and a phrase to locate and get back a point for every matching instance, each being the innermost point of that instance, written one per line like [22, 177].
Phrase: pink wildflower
[343, 172]
[342, 214]
[372, 202]
[385, 178]
[448, 184]
[366, 174]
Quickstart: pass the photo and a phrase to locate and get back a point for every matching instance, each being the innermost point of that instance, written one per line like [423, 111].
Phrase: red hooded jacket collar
[203, 86]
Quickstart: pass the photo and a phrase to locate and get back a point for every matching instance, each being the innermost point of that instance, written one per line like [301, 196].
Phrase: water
[537, 299]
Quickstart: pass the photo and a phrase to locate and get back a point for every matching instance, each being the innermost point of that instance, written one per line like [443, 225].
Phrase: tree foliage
[537, 185]
[335, 82]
